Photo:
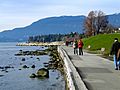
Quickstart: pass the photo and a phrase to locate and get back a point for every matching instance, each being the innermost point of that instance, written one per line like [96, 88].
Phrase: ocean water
[15, 79]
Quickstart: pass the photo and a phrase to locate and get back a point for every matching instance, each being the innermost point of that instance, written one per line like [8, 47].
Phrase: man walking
[114, 51]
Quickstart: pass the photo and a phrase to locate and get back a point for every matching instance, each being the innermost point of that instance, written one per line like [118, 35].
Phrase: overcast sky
[20, 13]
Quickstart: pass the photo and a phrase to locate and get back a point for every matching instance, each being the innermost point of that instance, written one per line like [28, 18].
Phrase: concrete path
[97, 73]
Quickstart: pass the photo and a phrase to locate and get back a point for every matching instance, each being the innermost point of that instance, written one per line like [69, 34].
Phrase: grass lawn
[100, 41]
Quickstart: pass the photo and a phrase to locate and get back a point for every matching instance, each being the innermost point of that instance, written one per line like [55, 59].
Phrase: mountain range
[51, 25]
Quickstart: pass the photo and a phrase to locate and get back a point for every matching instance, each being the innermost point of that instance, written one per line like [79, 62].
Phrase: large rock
[43, 73]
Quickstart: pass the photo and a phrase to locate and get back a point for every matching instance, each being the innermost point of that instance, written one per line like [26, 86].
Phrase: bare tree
[89, 24]
[101, 22]
[95, 22]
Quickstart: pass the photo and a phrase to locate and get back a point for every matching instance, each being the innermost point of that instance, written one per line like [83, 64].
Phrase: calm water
[16, 79]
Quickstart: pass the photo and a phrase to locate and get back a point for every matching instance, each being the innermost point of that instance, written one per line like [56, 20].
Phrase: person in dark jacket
[114, 52]
[75, 46]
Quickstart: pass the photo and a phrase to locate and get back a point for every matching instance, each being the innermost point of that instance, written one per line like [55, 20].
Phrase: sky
[20, 13]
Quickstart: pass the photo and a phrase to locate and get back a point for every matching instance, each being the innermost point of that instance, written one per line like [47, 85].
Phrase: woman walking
[80, 46]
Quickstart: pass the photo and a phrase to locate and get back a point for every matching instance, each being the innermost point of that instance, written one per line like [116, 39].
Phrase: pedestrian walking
[75, 46]
[114, 51]
[80, 46]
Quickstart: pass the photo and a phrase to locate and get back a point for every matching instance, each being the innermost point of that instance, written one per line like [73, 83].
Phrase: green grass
[100, 41]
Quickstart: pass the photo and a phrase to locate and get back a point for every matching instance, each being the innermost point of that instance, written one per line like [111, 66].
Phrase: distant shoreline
[40, 43]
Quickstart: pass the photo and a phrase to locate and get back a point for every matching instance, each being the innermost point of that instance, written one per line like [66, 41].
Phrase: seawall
[74, 80]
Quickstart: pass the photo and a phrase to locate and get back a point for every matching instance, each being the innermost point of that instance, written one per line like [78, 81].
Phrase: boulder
[32, 75]
[38, 58]
[6, 67]
[43, 73]
[33, 66]
[45, 63]
[25, 66]
[23, 59]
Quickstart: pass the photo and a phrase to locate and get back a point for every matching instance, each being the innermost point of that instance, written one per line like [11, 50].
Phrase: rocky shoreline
[54, 63]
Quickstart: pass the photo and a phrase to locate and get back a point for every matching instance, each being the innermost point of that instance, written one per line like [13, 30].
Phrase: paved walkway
[96, 72]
